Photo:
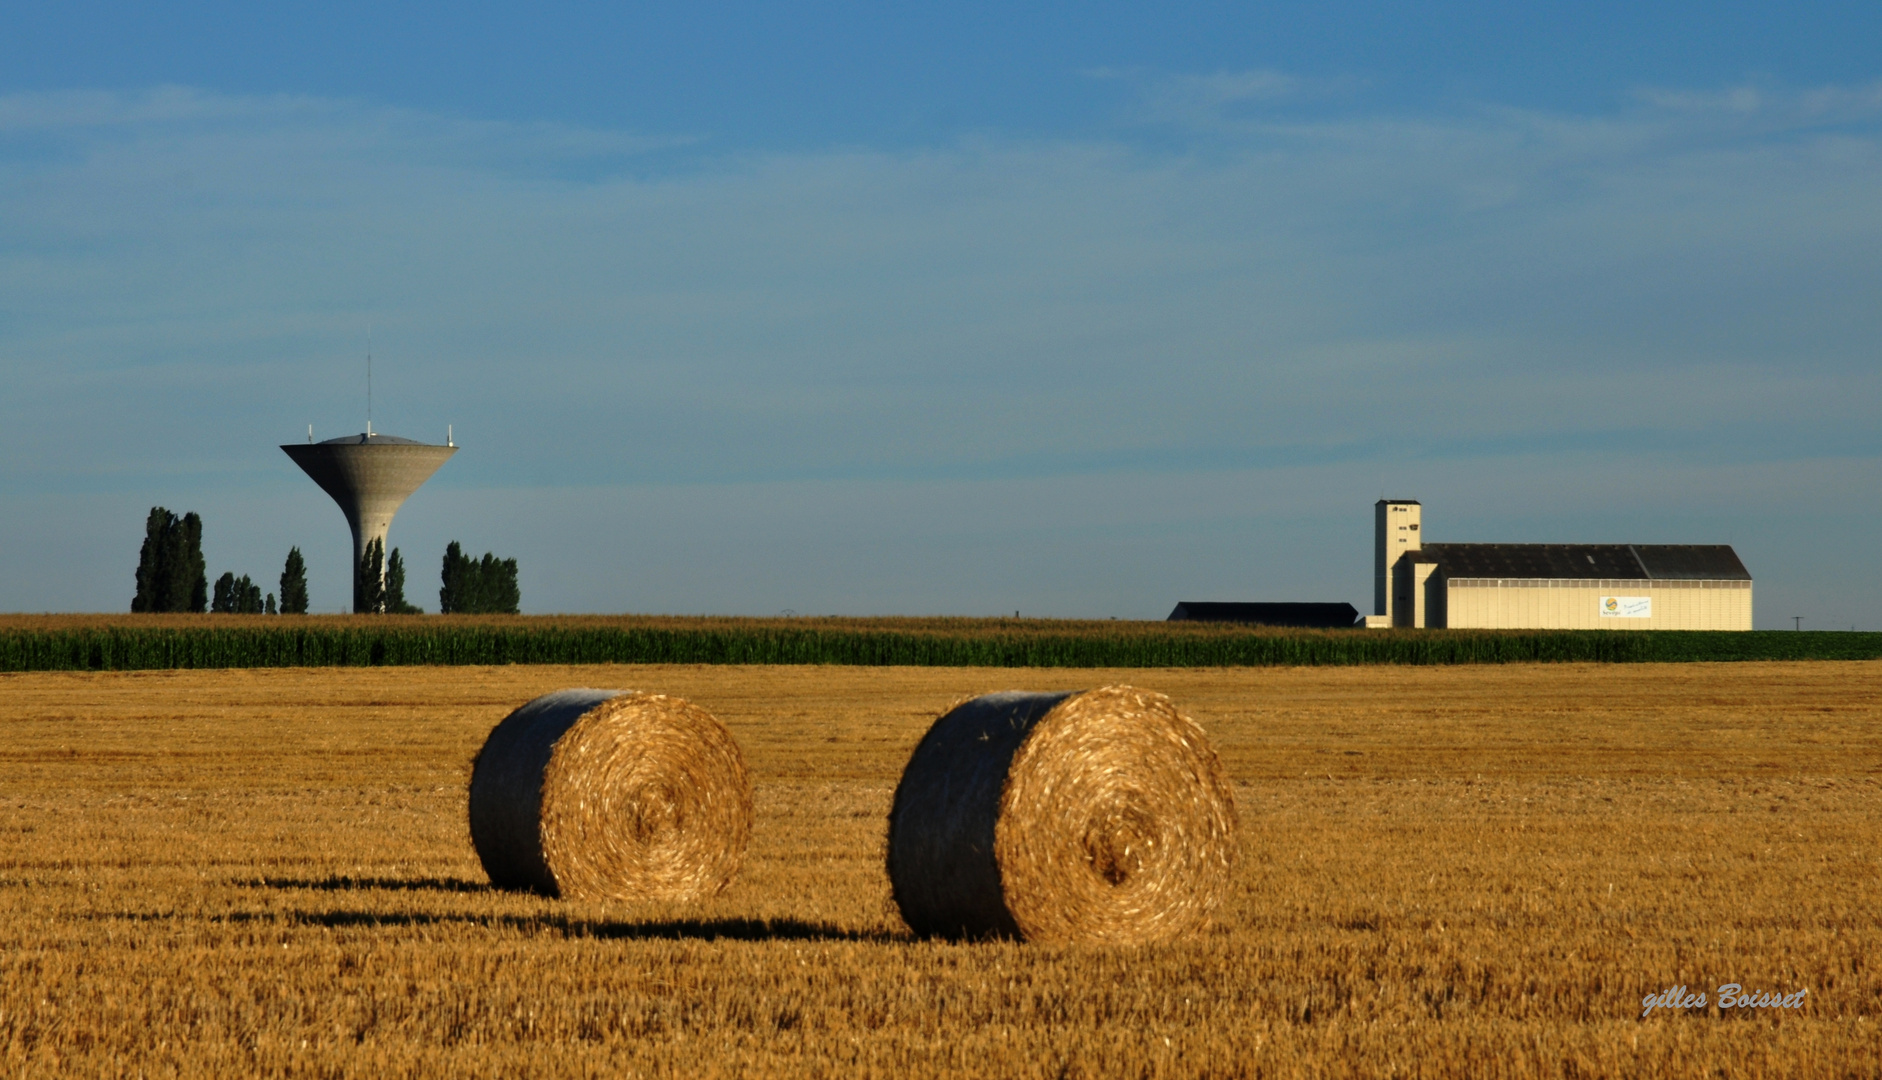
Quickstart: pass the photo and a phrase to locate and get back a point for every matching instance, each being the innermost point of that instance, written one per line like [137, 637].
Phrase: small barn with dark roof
[1316, 616]
[1565, 586]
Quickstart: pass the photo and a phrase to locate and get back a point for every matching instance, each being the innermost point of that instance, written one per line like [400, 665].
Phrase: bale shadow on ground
[566, 926]
[605, 929]
[344, 883]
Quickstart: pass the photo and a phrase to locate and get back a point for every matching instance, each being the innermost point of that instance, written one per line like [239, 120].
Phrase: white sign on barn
[1627, 607]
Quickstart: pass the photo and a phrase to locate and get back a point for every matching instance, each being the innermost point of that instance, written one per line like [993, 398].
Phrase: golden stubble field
[1445, 872]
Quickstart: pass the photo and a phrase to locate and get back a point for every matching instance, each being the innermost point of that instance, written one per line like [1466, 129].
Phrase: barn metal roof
[1669, 562]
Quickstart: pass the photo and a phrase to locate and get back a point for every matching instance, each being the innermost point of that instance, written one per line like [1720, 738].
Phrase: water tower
[370, 476]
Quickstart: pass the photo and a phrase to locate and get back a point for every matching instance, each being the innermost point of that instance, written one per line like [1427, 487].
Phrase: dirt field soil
[1473, 871]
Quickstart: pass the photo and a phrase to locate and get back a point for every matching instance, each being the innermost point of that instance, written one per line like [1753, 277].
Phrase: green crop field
[127, 643]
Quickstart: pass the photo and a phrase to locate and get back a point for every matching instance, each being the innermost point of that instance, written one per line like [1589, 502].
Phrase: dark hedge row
[133, 648]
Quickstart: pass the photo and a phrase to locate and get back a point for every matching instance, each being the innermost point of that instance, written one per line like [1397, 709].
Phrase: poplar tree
[294, 584]
[150, 561]
[452, 596]
[501, 596]
[369, 581]
[247, 596]
[223, 602]
[396, 603]
[189, 583]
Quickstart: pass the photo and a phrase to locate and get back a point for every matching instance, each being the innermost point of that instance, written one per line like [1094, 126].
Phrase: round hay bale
[610, 795]
[1100, 816]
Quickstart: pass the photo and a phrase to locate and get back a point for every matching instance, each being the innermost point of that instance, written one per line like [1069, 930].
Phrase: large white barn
[1551, 586]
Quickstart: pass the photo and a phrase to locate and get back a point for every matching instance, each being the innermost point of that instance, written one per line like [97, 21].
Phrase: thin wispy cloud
[1220, 101]
[1740, 99]
[185, 117]
[71, 110]
[1767, 109]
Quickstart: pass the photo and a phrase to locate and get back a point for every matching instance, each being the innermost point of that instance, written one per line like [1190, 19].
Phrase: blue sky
[952, 310]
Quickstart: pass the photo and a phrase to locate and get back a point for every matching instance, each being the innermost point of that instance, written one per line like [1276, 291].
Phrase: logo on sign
[1627, 607]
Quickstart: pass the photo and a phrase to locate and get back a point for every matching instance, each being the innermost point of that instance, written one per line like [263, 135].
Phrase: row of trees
[473, 586]
[239, 596]
[171, 577]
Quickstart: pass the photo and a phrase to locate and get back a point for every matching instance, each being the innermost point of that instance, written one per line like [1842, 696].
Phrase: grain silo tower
[370, 476]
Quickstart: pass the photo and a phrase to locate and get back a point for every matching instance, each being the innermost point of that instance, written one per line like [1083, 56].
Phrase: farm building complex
[1553, 586]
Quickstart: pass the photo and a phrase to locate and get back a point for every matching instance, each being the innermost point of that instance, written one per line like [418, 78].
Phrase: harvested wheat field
[1466, 871]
